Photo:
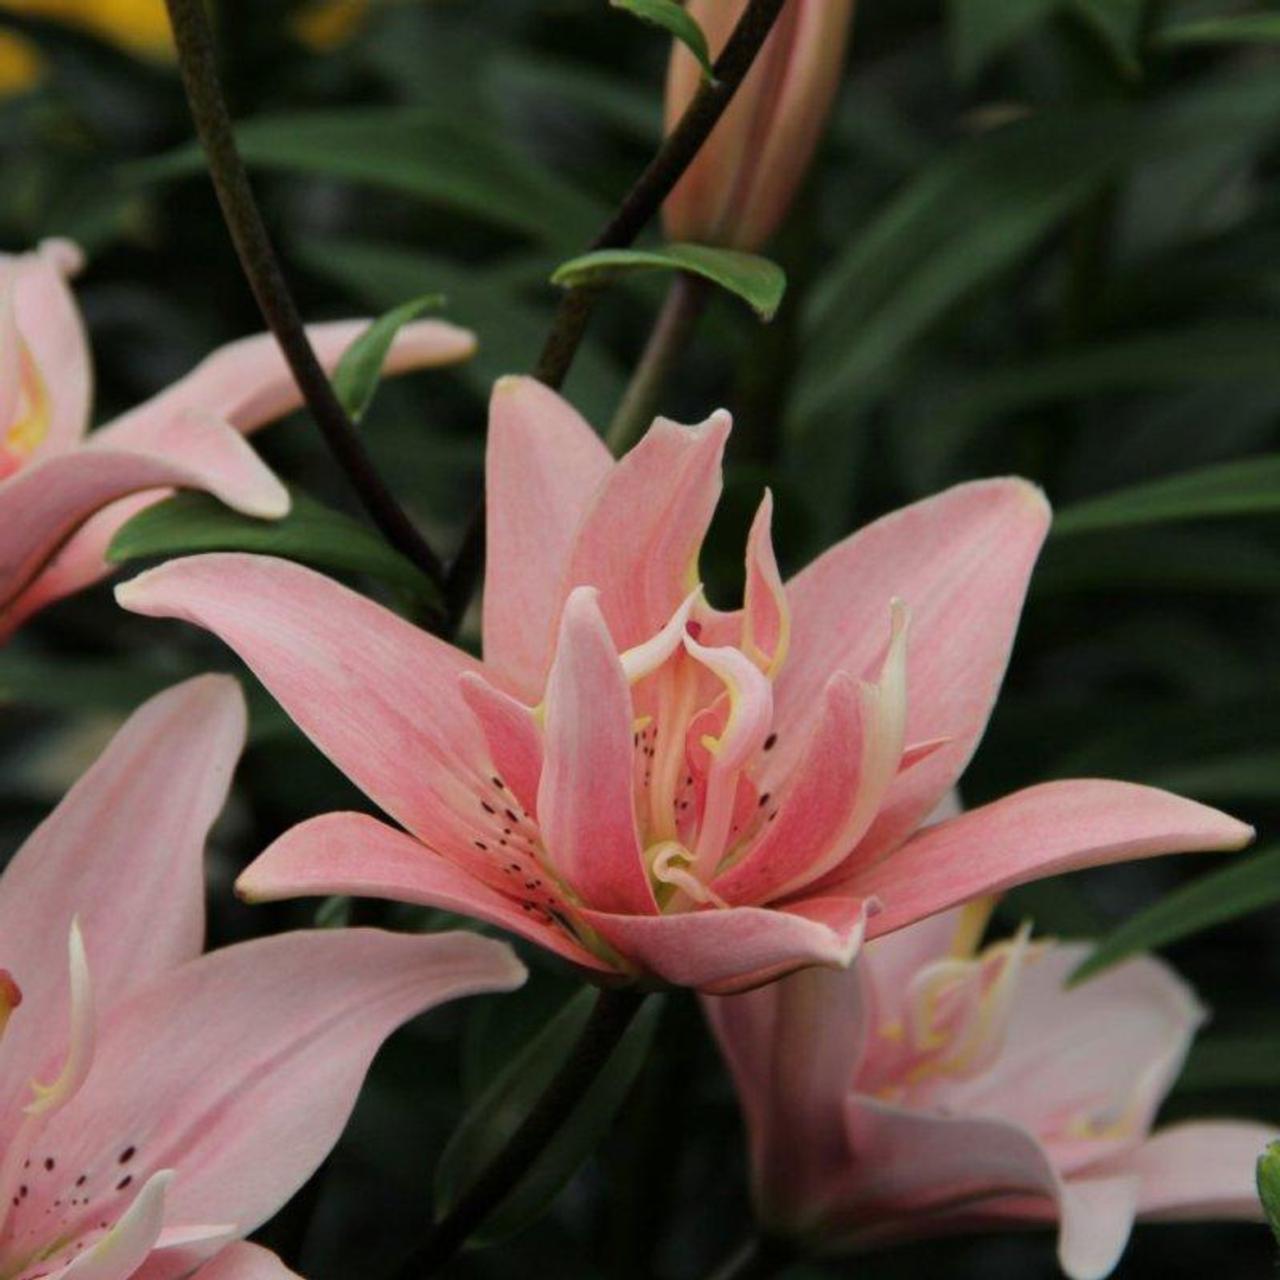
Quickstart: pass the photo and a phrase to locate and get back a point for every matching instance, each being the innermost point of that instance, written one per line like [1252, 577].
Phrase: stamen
[643, 659]
[665, 858]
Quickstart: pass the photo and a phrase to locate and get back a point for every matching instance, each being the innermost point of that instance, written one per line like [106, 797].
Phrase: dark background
[1040, 238]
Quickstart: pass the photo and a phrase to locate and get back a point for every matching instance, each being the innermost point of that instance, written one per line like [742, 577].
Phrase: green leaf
[980, 29]
[311, 533]
[420, 152]
[1268, 1175]
[1248, 884]
[333, 913]
[503, 1106]
[356, 378]
[488, 300]
[757, 281]
[677, 21]
[1240, 28]
[1247, 775]
[1249, 487]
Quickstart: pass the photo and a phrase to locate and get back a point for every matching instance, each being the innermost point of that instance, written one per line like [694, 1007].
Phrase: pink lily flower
[739, 188]
[157, 1104]
[645, 785]
[935, 1088]
[63, 494]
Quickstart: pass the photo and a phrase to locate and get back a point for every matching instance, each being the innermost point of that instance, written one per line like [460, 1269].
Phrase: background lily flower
[63, 494]
[740, 186]
[644, 784]
[157, 1104]
[936, 1088]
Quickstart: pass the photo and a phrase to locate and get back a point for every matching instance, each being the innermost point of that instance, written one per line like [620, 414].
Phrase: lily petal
[44, 503]
[49, 322]
[118, 838]
[293, 1022]
[249, 383]
[351, 853]
[387, 711]
[1203, 1169]
[586, 807]
[126, 1245]
[793, 1047]
[242, 1262]
[514, 737]
[639, 539]
[542, 465]
[961, 562]
[720, 951]
[1040, 831]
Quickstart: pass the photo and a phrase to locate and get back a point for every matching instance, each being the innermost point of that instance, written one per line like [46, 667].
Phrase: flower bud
[740, 186]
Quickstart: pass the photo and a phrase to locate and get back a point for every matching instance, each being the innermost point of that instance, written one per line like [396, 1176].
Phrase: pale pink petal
[242, 1262]
[1203, 1169]
[513, 734]
[250, 385]
[50, 324]
[586, 810]
[377, 695]
[793, 1048]
[130, 831]
[248, 382]
[960, 561]
[720, 951]
[77, 564]
[1040, 831]
[1085, 1068]
[43, 504]
[543, 465]
[291, 1023]
[639, 540]
[350, 853]
[892, 960]
[118, 1254]
[922, 1172]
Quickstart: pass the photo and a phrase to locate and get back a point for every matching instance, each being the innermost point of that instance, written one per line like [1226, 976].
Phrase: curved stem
[610, 1017]
[637, 207]
[659, 178]
[197, 63]
[756, 1259]
[684, 303]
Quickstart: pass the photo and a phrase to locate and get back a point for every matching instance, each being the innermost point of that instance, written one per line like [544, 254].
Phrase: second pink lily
[648, 786]
[63, 494]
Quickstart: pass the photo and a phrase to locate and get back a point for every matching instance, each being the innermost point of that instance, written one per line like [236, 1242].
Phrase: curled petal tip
[64, 254]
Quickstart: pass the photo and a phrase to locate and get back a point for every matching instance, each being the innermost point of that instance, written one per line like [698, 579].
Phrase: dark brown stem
[198, 65]
[610, 1017]
[638, 206]
[659, 178]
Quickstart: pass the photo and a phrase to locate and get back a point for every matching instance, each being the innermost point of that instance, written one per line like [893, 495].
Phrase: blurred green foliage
[1042, 237]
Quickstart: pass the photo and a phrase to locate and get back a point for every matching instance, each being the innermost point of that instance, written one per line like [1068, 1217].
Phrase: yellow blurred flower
[142, 27]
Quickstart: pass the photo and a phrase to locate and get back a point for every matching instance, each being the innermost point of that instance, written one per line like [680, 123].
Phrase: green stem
[197, 62]
[611, 1016]
[684, 303]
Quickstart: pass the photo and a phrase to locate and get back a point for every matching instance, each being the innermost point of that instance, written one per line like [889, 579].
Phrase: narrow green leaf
[356, 378]
[1239, 28]
[1247, 775]
[311, 533]
[1249, 487]
[1268, 1175]
[675, 20]
[500, 1110]
[425, 153]
[333, 913]
[1250, 883]
[757, 281]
